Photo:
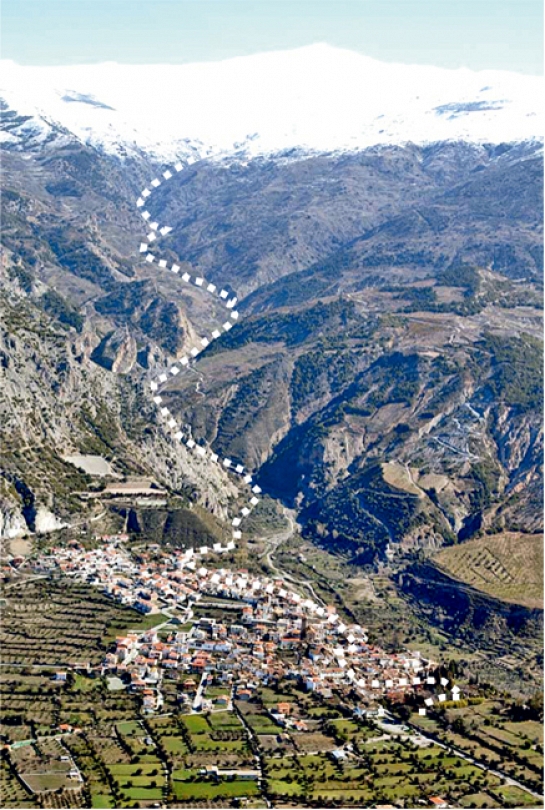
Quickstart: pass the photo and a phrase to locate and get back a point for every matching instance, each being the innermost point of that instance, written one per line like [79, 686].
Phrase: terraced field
[51, 624]
[507, 566]
[31, 704]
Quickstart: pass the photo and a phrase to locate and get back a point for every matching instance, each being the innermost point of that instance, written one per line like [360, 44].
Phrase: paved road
[274, 544]
[197, 702]
[24, 581]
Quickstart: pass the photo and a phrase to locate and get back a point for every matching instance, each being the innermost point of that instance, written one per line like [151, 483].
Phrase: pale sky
[479, 34]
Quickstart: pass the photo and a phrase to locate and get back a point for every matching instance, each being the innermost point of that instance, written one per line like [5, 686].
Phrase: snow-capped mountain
[316, 98]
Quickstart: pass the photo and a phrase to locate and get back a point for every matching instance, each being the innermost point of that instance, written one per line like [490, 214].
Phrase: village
[277, 633]
[187, 679]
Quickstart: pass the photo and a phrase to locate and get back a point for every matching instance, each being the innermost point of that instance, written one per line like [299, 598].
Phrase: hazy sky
[500, 34]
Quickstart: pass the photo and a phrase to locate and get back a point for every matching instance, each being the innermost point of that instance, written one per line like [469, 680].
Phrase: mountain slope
[396, 263]
[56, 401]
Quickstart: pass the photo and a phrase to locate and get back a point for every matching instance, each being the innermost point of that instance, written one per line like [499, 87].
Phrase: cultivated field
[383, 772]
[506, 566]
[49, 623]
[489, 732]
[54, 730]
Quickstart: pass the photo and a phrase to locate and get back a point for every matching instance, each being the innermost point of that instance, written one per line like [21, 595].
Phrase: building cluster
[277, 632]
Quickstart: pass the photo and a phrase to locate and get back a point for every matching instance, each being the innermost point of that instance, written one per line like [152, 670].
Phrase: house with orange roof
[289, 642]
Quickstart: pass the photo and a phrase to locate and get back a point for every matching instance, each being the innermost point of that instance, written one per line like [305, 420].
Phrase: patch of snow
[316, 98]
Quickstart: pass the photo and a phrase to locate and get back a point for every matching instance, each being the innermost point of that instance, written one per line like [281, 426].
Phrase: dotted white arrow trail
[191, 557]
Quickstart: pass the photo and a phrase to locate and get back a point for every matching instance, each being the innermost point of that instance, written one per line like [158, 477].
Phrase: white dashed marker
[242, 582]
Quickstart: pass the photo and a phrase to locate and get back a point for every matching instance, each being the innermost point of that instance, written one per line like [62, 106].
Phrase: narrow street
[197, 701]
[254, 745]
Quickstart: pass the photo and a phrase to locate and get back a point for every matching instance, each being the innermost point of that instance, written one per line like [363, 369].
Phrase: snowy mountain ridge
[316, 98]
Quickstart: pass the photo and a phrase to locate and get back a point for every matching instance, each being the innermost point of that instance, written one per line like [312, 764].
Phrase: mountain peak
[316, 98]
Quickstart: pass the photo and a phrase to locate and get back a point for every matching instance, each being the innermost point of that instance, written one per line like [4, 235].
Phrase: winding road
[274, 542]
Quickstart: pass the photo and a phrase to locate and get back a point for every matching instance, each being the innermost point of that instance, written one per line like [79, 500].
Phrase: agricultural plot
[12, 792]
[49, 623]
[203, 735]
[486, 732]
[46, 766]
[312, 741]
[190, 742]
[213, 692]
[343, 730]
[279, 744]
[134, 738]
[514, 796]
[223, 720]
[262, 724]
[32, 706]
[478, 800]
[191, 791]
[66, 799]
[131, 768]
[507, 566]
[385, 772]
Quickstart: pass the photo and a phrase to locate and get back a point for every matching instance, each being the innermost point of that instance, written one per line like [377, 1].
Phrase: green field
[144, 794]
[101, 801]
[175, 745]
[516, 796]
[208, 790]
[223, 720]
[130, 728]
[196, 724]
